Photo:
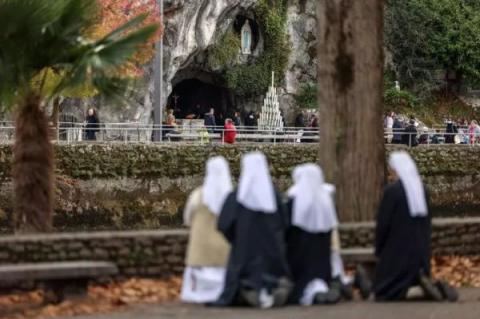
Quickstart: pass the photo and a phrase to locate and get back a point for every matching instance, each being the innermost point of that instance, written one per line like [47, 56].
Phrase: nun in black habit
[254, 221]
[402, 242]
[313, 217]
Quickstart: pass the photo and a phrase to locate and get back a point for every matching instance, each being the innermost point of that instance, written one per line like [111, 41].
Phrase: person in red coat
[230, 132]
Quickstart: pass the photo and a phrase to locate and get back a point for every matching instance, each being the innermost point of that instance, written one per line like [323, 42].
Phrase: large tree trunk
[350, 73]
[32, 169]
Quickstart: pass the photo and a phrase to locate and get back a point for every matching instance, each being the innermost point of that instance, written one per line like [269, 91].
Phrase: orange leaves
[458, 271]
[114, 13]
[101, 299]
[139, 290]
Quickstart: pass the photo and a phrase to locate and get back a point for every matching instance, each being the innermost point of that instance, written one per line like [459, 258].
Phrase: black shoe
[250, 297]
[320, 298]
[282, 292]
[362, 282]
[430, 289]
[448, 292]
[345, 291]
[333, 296]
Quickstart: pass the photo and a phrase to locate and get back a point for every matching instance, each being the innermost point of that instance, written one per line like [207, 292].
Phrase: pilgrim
[313, 218]
[254, 221]
[207, 252]
[402, 243]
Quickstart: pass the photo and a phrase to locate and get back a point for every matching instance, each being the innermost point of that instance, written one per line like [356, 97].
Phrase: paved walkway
[468, 307]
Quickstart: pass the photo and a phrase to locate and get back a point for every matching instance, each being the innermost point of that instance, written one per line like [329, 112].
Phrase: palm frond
[115, 34]
[97, 63]
[50, 34]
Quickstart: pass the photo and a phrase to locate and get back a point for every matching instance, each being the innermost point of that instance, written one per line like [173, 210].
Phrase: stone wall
[118, 186]
[161, 253]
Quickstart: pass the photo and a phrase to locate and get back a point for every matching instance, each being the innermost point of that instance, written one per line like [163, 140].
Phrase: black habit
[402, 246]
[258, 251]
[308, 257]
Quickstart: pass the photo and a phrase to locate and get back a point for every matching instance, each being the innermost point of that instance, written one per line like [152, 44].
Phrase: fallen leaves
[101, 299]
[458, 271]
[138, 290]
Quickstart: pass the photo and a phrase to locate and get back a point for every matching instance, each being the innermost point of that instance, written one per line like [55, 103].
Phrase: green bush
[255, 78]
[399, 98]
[307, 97]
[226, 51]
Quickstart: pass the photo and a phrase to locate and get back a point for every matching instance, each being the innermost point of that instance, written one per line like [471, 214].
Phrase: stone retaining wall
[161, 253]
[135, 186]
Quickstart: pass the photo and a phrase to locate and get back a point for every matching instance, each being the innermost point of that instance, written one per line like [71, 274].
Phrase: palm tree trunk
[350, 75]
[33, 169]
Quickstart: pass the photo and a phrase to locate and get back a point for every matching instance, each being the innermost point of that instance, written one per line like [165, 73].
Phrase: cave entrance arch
[194, 96]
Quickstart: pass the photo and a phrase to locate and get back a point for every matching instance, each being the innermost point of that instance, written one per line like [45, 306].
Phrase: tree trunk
[32, 169]
[350, 73]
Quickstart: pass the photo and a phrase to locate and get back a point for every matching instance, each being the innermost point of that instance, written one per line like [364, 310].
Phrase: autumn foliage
[114, 13]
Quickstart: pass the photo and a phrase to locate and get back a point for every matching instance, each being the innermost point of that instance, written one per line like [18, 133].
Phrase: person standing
[251, 121]
[474, 132]
[410, 134]
[388, 125]
[236, 119]
[92, 125]
[254, 221]
[451, 130]
[171, 120]
[300, 120]
[209, 120]
[313, 218]
[402, 240]
[397, 130]
[230, 132]
[207, 251]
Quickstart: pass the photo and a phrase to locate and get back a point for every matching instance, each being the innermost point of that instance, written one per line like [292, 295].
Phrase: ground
[468, 307]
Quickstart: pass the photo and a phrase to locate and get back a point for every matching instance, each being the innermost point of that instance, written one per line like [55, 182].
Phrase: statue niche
[246, 36]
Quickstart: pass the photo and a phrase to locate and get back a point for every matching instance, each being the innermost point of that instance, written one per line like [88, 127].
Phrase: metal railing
[143, 133]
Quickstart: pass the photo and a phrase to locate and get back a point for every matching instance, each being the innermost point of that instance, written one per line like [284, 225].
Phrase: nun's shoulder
[232, 196]
[394, 188]
[197, 193]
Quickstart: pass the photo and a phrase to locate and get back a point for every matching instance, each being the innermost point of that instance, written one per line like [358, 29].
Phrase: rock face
[302, 70]
[194, 26]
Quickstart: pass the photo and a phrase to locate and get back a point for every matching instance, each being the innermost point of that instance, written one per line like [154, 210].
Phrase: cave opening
[192, 98]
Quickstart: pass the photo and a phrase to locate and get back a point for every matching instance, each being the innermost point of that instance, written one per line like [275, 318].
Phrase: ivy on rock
[255, 77]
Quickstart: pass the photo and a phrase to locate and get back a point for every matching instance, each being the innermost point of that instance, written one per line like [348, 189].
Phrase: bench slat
[358, 255]
[57, 270]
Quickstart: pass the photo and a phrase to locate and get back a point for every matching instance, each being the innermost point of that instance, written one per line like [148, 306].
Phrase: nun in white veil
[254, 221]
[313, 218]
[402, 242]
[207, 251]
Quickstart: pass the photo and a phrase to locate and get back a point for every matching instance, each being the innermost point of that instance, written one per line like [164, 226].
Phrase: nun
[254, 222]
[313, 218]
[207, 252]
[402, 243]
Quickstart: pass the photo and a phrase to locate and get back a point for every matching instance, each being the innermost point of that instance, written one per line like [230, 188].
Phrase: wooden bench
[358, 256]
[59, 280]
[365, 257]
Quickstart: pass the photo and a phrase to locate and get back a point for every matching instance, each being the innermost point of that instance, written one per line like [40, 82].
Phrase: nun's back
[402, 245]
